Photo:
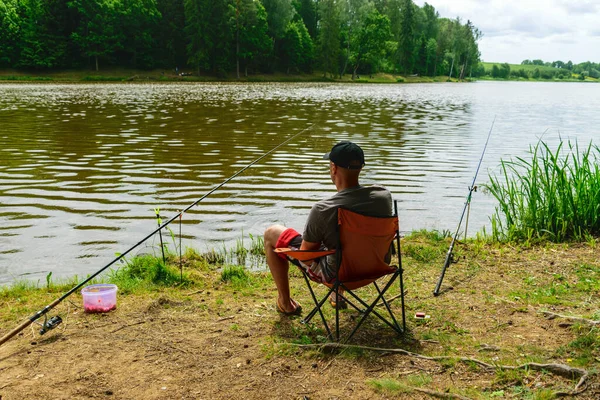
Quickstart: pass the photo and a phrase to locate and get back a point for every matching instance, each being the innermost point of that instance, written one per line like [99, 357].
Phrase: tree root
[551, 315]
[439, 395]
[556, 369]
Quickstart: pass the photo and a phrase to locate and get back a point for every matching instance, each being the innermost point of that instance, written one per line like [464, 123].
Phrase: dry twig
[127, 326]
[439, 395]
[556, 369]
[551, 315]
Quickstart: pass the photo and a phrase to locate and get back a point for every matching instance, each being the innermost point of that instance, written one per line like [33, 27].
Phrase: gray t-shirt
[321, 226]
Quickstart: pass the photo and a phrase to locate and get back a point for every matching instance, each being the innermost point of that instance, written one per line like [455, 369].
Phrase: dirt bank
[219, 339]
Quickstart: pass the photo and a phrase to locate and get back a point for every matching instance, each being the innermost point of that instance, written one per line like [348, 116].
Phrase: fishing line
[50, 306]
[450, 254]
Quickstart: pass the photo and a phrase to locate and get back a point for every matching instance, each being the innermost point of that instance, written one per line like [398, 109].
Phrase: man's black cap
[346, 155]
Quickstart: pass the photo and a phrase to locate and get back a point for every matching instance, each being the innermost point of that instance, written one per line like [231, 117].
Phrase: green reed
[554, 195]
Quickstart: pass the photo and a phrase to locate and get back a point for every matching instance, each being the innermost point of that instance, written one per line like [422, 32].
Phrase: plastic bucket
[99, 298]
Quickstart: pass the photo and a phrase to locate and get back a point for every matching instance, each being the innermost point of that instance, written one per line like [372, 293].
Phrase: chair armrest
[304, 255]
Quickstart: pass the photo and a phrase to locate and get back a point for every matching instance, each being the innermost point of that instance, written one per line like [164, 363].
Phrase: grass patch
[144, 272]
[585, 348]
[101, 78]
[426, 246]
[393, 386]
[236, 275]
[24, 78]
[552, 195]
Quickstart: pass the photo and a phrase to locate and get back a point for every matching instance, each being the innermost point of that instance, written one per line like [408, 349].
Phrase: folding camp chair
[364, 243]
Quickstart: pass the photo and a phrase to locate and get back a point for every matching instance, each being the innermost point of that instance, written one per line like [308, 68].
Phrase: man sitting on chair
[346, 160]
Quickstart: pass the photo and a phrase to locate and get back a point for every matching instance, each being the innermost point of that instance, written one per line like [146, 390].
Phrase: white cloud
[515, 30]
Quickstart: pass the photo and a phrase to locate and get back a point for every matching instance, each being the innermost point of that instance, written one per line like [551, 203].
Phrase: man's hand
[309, 245]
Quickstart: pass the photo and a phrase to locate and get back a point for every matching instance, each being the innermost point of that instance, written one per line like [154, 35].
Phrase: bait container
[99, 298]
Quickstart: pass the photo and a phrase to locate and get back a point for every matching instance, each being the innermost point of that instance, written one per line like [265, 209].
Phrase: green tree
[505, 70]
[431, 21]
[307, 11]
[569, 65]
[138, 21]
[430, 58]
[279, 15]
[43, 36]
[495, 71]
[308, 48]
[10, 31]
[329, 37]
[253, 41]
[171, 40]
[293, 55]
[353, 14]
[444, 46]
[407, 37]
[210, 29]
[372, 39]
[471, 54]
[95, 34]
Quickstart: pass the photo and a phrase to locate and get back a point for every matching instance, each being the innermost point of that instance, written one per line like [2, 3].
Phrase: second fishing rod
[472, 188]
[53, 322]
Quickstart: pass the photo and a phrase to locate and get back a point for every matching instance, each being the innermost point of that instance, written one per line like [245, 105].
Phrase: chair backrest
[364, 242]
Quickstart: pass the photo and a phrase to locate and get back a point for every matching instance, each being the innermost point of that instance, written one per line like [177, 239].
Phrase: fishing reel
[452, 260]
[50, 324]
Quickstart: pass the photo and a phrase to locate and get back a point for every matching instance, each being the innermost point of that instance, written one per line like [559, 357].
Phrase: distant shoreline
[159, 76]
[124, 76]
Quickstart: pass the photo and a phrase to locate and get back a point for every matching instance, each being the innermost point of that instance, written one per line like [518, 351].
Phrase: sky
[516, 30]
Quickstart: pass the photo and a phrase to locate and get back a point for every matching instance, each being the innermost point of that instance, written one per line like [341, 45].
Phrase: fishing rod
[55, 321]
[472, 188]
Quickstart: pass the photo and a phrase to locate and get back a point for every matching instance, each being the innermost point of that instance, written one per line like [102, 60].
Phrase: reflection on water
[82, 167]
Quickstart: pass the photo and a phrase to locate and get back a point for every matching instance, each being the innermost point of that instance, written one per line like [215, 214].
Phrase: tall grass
[552, 195]
[144, 272]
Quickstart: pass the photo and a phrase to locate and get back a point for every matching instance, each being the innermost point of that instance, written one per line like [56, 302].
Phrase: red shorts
[288, 238]
[292, 239]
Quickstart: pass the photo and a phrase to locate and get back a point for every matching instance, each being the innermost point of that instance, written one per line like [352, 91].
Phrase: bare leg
[279, 268]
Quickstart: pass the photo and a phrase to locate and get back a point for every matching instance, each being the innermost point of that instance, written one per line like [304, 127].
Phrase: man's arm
[309, 245]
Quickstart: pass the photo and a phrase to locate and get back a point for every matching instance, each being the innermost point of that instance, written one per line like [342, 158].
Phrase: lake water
[82, 167]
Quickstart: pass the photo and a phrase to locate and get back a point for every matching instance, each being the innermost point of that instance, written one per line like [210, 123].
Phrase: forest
[234, 38]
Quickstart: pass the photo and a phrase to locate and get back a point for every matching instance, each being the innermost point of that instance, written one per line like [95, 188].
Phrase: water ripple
[84, 166]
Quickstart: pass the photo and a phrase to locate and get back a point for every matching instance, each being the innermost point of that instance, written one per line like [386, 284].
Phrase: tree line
[221, 37]
[584, 69]
[538, 69]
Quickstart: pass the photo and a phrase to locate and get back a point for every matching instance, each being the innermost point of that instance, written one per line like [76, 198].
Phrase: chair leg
[401, 272]
[387, 306]
[370, 309]
[318, 306]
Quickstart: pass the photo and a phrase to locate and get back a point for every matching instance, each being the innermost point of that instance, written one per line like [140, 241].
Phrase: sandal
[296, 311]
[340, 305]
